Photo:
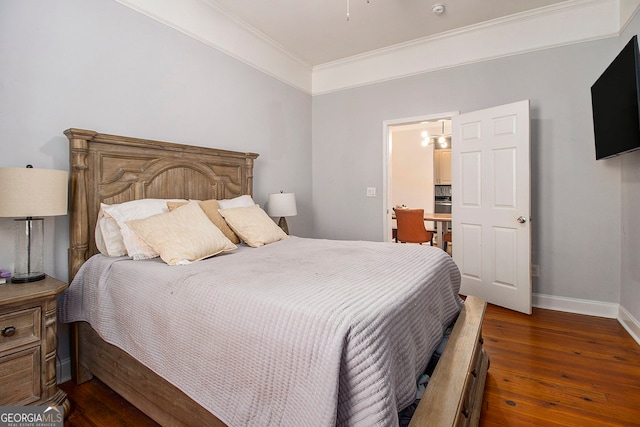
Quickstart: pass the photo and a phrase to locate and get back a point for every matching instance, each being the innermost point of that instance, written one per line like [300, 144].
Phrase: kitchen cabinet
[442, 167]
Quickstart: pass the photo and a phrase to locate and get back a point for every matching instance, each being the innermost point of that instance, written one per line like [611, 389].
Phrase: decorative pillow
[210, 208]
[253, 225]
[137, 209]
[108, 237]
[183, 235]
[237, 202]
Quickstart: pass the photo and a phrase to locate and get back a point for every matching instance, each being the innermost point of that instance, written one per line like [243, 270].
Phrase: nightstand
[28, 344]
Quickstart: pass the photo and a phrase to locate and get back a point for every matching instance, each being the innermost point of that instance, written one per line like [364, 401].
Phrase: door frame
[386, 161]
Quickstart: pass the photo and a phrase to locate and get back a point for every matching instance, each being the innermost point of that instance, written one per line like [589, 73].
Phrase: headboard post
[249, 171]
[78, 215]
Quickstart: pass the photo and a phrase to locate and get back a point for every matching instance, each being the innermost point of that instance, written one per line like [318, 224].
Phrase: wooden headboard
[115, 169]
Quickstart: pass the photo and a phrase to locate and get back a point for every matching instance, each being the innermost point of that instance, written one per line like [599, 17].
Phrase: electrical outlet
[371, 191]
[535, 270]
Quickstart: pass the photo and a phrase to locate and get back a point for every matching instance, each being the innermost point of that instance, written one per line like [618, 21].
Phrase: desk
[441, 220]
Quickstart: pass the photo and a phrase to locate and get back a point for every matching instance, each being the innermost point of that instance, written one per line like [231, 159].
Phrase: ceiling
[318, 32]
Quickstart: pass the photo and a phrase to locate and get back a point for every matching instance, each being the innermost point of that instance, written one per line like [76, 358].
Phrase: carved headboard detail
[116, 169]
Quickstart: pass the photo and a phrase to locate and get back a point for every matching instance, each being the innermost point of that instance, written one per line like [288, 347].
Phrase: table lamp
[28, 194]
[282, 205]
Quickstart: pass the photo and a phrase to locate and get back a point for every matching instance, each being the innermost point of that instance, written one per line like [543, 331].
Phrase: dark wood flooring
[559, 369]
[547, 369]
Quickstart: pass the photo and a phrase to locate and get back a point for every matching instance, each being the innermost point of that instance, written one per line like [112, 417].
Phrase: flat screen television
[615, 100]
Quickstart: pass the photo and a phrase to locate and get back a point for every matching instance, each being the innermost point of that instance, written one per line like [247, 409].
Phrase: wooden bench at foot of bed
[454, 394]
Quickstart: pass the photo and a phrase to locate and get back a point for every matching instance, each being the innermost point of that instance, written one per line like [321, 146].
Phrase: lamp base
[29, 261]
[24, 278]
[283, 224]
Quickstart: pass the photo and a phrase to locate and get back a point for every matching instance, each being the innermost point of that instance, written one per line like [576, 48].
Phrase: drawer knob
[9, 331]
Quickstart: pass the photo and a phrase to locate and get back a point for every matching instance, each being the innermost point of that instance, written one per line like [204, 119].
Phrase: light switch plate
[371, 191]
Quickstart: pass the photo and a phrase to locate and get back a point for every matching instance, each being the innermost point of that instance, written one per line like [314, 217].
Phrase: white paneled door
[491, 204]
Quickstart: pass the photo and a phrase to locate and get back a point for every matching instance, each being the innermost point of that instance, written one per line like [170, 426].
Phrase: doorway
[491, 204]
[412, 147]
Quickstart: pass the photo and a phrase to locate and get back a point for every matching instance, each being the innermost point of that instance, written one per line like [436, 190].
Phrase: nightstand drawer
[20, 378]
[19, 328]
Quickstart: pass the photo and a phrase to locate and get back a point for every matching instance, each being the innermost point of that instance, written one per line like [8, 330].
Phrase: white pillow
[183, 235]
[253, 225]
[98, 235]
[237, 202]
[136, 247]
[108, 237]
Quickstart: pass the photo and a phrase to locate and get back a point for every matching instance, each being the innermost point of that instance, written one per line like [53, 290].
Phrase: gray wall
[575, 200]
[630, 293]
[96, 64]
[630, 208]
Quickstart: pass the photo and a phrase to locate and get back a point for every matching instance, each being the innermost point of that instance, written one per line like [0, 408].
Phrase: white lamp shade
[31, 192]
[282, 204]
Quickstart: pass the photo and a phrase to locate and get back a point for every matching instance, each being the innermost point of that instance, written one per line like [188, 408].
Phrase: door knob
[522, 219]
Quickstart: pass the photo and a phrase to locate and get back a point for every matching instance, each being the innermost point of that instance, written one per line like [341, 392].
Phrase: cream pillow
[253, 225]
[210, 208]
[99, 239]
[136, 247]
[107, 234]
[183, 235]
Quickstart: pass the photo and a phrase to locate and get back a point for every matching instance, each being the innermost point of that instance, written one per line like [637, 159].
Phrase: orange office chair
[411, 227]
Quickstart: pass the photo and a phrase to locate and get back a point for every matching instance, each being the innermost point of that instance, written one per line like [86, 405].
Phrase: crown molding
[565, 23]
[628, 9]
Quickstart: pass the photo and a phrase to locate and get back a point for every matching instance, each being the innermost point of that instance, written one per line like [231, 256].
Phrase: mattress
[301, 332]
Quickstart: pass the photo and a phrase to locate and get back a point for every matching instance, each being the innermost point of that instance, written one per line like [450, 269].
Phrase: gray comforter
[301, 332]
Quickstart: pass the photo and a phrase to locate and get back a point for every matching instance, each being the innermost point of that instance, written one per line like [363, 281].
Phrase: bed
[108, 169]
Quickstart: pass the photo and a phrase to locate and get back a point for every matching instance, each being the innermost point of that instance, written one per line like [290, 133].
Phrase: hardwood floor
[559, 369]
[95, 404]
[547, 369]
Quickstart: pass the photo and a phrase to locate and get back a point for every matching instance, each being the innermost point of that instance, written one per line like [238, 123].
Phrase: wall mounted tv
[615, 101]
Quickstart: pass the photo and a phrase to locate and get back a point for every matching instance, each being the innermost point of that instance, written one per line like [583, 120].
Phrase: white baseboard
[63, 370]
[591, 308]
[575, 305]
[630, 323]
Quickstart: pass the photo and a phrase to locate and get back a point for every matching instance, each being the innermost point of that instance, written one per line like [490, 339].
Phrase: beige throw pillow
[253, 225]
[210, 208]
[183, 235]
